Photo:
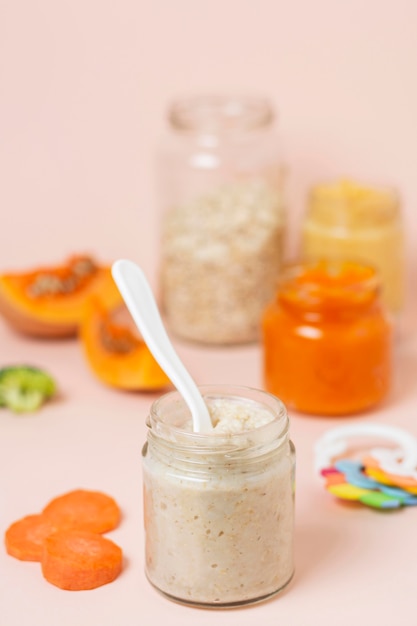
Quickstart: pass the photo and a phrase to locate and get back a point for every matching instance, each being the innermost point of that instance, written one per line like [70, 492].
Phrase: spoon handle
[139, 299]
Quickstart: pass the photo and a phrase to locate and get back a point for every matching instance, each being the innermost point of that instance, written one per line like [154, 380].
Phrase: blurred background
[84, 89]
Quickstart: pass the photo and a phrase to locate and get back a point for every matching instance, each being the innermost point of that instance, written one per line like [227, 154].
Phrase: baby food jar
[346, 220]
[327, 339]
[222, 218]
[219, 506]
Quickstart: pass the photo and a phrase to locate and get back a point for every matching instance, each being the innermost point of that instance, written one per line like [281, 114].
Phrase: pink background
[84, 87]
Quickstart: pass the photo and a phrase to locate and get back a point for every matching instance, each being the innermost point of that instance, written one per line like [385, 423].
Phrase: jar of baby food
[219, 506]
[327, 339]
[347, 220]
[222, 218]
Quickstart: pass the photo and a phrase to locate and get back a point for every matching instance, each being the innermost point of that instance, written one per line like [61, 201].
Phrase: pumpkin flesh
[49, 302]
[116, 354]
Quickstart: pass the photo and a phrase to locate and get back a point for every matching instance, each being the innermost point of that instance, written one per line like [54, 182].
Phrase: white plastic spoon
[139, 299]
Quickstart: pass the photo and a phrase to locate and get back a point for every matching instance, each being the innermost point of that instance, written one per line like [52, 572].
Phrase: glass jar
[222, 218]
[327, 339]
[347, 220]
[219, 506]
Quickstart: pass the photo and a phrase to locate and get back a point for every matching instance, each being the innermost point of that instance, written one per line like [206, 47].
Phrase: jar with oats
[219, 506]
[222, 218]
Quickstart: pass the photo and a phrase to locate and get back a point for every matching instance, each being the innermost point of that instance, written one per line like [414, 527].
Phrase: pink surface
[84, 88]
[350, 562]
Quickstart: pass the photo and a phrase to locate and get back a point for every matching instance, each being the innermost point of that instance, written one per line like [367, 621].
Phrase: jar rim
[350, 204]
[311, 284]
[275, 429]
[217, 113]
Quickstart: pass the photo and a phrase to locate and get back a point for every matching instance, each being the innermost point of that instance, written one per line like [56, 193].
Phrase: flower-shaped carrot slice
[79, 560]
[87, 510]
[24, 538]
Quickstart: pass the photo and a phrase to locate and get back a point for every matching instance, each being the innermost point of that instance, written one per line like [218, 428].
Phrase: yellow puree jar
[347, 220]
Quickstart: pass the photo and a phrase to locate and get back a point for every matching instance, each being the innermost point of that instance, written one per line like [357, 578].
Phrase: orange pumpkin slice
[49, 301]
[116, 353]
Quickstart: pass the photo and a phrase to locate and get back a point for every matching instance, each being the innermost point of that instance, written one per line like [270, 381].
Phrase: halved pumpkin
[115, 352]
[49, 301]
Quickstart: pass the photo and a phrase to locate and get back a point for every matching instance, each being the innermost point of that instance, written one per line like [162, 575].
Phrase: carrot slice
[24, 538]
[86, 510]
[79, 560]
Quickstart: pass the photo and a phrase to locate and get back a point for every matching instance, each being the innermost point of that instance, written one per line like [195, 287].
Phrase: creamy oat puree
[219, 517]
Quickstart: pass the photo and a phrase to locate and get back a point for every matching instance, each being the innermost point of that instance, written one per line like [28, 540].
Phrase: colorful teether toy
[384, 478]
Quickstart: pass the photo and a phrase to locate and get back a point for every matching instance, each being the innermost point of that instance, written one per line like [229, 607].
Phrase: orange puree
[326, 339]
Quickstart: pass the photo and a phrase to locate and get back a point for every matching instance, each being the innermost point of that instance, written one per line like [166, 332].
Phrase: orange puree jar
[327, 339]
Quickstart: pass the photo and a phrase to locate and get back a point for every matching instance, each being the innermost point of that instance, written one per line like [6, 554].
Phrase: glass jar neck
[171, 438]
[220, 115]
[331, 289]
